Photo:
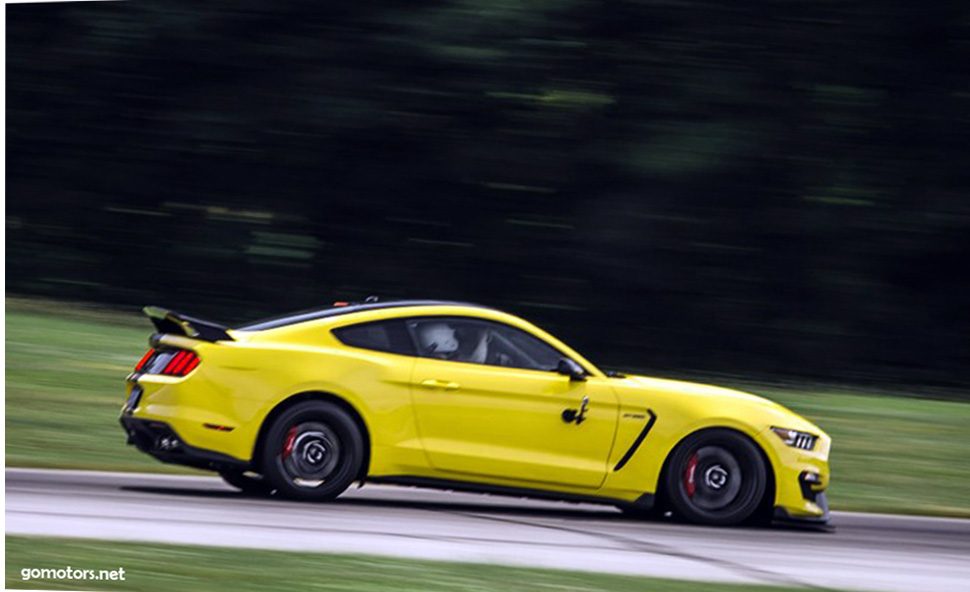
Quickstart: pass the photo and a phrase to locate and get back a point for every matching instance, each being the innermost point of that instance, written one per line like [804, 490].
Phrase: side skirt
[644, 502]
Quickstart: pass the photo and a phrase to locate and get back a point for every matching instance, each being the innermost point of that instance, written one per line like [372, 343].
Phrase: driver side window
[473, 341]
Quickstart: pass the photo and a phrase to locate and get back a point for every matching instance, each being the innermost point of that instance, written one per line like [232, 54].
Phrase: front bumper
[813, 492]
[801, 479]
[783, 515]
[159, 440]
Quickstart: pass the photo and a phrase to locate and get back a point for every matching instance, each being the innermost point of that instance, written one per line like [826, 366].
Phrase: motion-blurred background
[767, 195]
[763, 189]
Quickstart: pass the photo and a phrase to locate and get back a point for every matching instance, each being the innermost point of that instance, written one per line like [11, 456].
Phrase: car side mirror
[571, 369]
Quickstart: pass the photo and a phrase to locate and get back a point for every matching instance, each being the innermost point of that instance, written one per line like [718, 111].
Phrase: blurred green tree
[762, 188]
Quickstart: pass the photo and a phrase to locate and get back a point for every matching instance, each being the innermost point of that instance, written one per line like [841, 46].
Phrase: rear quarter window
[383, 336]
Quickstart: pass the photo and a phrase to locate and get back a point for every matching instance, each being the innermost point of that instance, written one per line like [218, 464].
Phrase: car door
[489, 402]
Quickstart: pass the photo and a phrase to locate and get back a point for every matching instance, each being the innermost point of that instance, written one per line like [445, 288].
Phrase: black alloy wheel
[313, 451]
[716, 477]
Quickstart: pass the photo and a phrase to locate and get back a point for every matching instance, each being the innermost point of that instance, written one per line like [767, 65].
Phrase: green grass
[65, 383]
[891, 454]
[168, 568]
[65, 379]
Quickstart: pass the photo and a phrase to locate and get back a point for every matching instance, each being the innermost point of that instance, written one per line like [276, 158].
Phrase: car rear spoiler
[173, 323]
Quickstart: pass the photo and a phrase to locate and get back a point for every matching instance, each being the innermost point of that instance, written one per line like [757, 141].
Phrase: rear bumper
[204, 415]
[159, 440]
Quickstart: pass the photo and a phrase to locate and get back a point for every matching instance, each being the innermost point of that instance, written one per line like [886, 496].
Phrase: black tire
[313, 451]
[248, 483]
[715, 477]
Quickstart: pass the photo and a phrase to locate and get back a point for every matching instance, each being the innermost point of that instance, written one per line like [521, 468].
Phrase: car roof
[342, 309]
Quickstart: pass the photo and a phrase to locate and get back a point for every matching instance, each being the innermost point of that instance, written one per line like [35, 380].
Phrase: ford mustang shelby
[465, 397]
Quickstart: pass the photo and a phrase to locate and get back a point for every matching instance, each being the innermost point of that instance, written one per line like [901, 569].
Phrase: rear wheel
[715, 477]
[313, 451]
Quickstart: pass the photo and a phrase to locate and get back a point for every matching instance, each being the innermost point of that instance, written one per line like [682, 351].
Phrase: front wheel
[313, 451]
[716, 477]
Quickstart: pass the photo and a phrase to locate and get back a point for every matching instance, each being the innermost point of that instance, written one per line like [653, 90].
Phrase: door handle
[443, 385]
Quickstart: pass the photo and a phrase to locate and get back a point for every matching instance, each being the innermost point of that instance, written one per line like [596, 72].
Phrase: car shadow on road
[496, 507]
[187, 492]
[430, 505]
[587, 514]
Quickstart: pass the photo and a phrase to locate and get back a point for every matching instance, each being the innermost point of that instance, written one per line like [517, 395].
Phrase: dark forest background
[765, 188]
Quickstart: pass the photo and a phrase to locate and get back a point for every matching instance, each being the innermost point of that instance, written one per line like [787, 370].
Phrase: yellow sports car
[464, 397]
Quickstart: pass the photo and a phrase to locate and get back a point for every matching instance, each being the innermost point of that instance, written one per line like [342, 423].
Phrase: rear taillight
[181, 364]
[144, 360]
[170, 362]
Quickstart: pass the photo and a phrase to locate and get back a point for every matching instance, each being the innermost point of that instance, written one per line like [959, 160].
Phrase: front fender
[641, 474]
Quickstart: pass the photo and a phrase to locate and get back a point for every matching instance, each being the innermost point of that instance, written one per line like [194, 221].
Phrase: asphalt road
[865, 551]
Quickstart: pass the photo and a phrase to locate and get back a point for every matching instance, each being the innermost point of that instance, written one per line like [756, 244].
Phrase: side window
[385, 336]
[473, 341]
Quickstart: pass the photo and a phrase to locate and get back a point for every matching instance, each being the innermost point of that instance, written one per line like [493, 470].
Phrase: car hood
[784, 416]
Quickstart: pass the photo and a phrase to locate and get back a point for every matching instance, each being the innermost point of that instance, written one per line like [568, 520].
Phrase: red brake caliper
[288, 446]
[689, 475]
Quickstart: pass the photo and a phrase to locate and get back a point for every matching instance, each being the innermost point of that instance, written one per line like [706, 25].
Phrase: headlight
[801, 440]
